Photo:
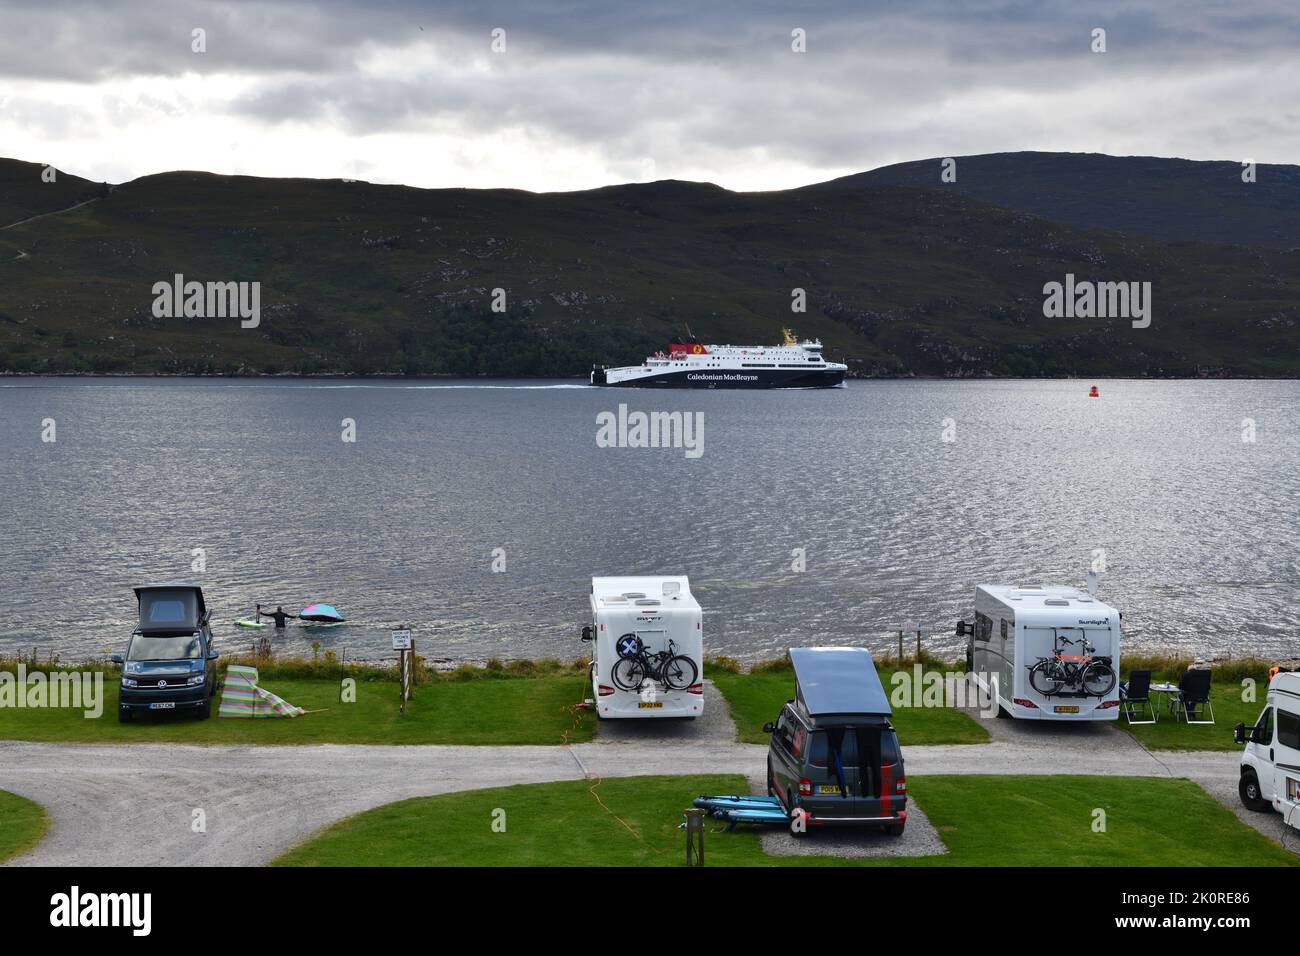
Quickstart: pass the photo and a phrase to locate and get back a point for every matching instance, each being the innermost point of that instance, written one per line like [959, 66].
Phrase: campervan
[170, 663]
[1046, 653]
[833, 757]
[1270, 764]
[648, 647]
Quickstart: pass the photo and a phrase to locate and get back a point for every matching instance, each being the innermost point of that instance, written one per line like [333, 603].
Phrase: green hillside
[359, 278]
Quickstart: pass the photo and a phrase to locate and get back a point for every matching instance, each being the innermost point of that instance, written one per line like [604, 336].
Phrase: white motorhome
[1270, 764]
[1016, 627]
[648, 657]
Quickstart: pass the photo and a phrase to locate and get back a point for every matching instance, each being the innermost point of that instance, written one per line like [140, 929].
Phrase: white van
[1270, 764]
[1051, 652]
[648, 659]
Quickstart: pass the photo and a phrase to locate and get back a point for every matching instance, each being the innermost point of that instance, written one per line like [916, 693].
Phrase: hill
[362, 279]
[1171, 199]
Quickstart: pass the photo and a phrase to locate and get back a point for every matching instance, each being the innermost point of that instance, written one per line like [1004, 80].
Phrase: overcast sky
[591, 93]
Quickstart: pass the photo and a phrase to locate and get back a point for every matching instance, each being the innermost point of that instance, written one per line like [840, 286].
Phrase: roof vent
[647, 602]
[1057, 602]
[633, 595]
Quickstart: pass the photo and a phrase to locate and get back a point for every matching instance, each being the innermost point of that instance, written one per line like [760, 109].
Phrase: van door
[1285, 755]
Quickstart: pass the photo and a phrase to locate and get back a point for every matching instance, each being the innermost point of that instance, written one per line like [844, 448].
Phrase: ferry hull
[723, 378]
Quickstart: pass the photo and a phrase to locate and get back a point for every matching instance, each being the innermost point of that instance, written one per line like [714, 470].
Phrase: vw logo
[162, 683]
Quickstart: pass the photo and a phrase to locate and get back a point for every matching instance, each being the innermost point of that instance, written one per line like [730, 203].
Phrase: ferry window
[1288, 730]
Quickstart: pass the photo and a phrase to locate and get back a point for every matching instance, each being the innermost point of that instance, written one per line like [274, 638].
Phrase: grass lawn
[757, 698]
[984, 821]
[1169, 734]
[484, 711]
[22, 824]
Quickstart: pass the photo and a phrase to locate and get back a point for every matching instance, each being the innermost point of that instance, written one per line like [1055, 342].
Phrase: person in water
[280, 615]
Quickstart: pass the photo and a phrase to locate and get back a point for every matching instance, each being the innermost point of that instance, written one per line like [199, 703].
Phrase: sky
[581, 94]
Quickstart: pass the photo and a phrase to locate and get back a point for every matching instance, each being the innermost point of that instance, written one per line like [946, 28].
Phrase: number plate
[650, 704]
[1072, 709]
[828, 788]
[163, 705]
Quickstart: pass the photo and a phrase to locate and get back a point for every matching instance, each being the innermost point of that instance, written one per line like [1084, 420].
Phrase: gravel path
[260, 800]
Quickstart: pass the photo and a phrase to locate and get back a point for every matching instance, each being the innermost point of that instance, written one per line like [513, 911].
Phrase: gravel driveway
[260, 800]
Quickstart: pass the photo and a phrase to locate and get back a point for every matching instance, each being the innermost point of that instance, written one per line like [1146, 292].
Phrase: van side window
[1288, 730]
[983, 627]
[800, 738]
[785, 731]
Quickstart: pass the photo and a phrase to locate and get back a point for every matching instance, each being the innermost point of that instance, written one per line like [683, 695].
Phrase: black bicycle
[636, 665]
[1082, 674]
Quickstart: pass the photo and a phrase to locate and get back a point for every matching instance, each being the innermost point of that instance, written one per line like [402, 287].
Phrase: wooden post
[918, 645]
[694, 837]
[900, 648]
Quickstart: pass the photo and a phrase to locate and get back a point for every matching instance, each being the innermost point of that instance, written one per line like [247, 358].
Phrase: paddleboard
[242, 622]
[315, 625]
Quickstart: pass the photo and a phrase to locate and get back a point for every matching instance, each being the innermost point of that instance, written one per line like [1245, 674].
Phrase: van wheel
[206, 710]
[123, 715]
[771, 779]
[1003, 713]
[896, 829]
[1250, 793]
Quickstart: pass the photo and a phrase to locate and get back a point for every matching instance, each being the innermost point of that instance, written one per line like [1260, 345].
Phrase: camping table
[1171, 691]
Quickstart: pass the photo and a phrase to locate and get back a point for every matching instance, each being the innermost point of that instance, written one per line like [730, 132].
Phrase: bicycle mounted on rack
[1072, 675]
[636, 665]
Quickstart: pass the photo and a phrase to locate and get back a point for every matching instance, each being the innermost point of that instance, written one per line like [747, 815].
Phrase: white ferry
[792, 364]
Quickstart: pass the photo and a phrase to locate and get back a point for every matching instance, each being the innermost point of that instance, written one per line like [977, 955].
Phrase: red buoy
[1094, 393]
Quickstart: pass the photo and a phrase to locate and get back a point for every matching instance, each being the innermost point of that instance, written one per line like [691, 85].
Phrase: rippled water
[1199, 528]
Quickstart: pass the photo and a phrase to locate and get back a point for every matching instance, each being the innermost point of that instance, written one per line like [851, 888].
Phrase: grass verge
[756, 698]
[445, 711]
[22, 824]
[983, 820]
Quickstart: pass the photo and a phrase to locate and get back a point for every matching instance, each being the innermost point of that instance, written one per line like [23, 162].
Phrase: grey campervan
[834, 758]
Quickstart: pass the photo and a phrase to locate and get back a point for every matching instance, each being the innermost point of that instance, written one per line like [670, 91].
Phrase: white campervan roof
[1063, 606]
[664, 591]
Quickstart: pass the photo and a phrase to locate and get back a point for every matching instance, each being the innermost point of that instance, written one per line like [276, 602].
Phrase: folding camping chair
[1135, 698]
[1193, 692]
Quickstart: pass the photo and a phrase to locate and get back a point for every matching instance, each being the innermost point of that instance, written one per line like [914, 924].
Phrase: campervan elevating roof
[838, 681]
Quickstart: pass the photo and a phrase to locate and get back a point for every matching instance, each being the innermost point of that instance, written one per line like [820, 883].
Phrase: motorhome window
[1288, 730]
[983, 627]
[1263, 732]
[1004, 628]
[182, 647]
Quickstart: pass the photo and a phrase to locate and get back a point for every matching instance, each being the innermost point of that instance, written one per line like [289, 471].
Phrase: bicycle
[1093, 676]
[635, 665]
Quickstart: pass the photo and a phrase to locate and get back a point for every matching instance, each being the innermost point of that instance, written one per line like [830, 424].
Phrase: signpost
[405, 646]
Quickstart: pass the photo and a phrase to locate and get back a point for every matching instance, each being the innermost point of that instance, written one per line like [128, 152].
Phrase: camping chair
[1135, 698]
[1194, 692]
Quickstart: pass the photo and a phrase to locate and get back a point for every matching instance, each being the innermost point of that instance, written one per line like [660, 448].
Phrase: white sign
[401, 640]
